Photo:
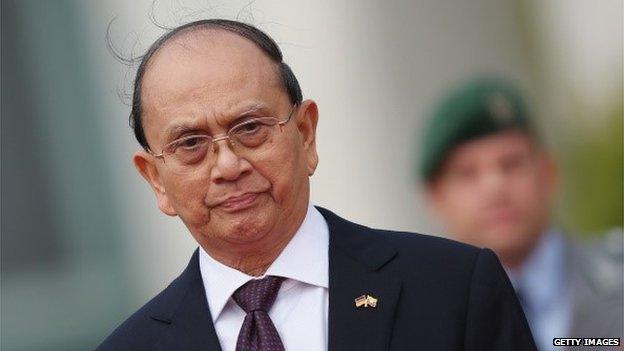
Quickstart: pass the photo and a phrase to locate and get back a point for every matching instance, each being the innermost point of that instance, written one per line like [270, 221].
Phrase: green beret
[475, 109]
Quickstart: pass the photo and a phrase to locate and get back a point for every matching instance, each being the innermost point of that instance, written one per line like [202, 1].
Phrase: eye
[249, 127]
[253, 132]
[189, 142]
[190, 149]
[514, 162]
[463, 173]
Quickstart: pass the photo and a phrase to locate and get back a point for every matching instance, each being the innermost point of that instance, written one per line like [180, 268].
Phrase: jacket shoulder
[144, 326]
[411, 241]
[414, 251]
[423, 253]
[139, 330]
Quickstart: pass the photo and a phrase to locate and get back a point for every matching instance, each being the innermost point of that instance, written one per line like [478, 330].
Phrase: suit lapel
[186, 314]
[359, 266]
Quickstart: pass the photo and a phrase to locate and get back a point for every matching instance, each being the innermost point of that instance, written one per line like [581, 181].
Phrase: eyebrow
[184, 127]
[177, 129]
[251, 110]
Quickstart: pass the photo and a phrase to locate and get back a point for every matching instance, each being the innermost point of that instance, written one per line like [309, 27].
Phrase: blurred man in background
[492, 182]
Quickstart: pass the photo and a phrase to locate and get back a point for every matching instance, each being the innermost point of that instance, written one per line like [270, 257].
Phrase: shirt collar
[304, 259]
[542, 276]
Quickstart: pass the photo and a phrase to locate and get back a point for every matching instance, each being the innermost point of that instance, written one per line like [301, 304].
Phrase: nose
[493, 184]
[228, 166]
[492, 179]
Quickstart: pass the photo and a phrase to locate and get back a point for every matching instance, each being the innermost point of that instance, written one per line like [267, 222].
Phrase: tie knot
[258, 294]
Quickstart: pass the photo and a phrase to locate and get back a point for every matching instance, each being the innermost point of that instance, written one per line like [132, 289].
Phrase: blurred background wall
[83, 242]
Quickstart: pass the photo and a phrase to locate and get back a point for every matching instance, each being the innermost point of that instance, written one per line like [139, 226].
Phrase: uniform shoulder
[600, 264]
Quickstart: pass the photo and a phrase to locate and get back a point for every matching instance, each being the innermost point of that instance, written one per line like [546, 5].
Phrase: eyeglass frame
[224, 136]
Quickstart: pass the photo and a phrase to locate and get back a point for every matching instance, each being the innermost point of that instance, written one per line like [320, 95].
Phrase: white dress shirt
[300, 310]
[547, 299]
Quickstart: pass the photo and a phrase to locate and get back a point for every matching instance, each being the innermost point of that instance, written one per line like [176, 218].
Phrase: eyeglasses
[186, 154]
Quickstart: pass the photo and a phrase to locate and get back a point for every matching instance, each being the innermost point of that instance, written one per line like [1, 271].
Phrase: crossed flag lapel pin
[365, 301]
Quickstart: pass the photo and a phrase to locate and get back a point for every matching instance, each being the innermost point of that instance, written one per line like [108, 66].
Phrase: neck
[254, 261]
[514, 263]
[514, 260]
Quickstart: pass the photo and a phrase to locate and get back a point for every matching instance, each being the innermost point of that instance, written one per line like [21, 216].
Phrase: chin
[507, 242]
[246, 228]
[494, 236]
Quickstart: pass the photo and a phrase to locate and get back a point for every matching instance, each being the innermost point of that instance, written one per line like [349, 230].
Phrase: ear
[145, 164]
[307, 119]
[432, 195]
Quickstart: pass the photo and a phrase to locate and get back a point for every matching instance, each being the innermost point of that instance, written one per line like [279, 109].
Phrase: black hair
[255, 35]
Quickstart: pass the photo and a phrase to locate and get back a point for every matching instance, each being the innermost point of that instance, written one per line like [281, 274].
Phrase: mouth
[239, 202]
[501, 217]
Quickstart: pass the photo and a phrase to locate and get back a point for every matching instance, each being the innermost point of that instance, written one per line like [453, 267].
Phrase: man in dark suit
[229, 146]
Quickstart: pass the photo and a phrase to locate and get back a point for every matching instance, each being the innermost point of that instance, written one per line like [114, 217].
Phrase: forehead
[209, 70]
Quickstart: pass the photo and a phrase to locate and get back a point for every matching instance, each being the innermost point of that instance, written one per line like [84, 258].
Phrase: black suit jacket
[433, 294]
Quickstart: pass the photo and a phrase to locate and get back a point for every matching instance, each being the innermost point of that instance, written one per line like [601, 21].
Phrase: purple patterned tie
[256, 298]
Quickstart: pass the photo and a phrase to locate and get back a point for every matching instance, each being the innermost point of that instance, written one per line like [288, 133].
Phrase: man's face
[496, 192]
[204, 83]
